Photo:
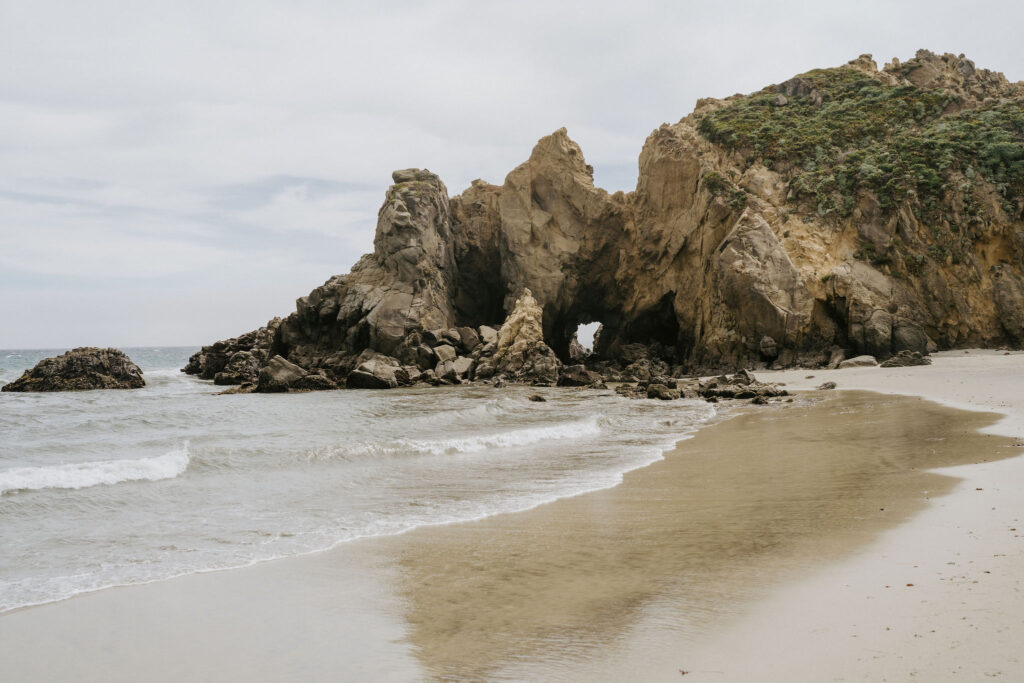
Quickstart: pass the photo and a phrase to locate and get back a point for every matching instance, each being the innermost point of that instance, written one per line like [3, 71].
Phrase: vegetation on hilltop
[848, 131]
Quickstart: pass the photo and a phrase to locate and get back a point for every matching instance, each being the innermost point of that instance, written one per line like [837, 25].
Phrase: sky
[173, 173]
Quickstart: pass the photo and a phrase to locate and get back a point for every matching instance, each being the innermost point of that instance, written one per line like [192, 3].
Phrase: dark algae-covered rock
[81, 369]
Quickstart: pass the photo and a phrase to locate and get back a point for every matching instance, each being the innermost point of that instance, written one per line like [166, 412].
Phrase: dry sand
[776, 546]
[938, 598]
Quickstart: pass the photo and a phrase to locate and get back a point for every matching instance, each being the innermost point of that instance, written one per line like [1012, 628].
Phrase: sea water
[106, 488]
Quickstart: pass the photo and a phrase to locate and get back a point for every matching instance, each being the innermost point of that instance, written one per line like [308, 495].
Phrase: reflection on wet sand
[744, 504]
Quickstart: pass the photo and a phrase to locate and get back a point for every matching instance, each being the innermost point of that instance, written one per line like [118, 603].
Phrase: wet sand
[940, 598]
[636, 582]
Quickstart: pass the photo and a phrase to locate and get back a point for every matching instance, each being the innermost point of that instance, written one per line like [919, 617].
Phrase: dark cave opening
[480, 290]
[658, 324]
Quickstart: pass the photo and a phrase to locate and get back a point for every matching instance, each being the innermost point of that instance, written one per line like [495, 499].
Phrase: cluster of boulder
[741, 385]
[81, 369]
[516, 353]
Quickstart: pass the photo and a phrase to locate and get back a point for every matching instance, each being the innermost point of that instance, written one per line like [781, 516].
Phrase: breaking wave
[468, 444]
[85, 474]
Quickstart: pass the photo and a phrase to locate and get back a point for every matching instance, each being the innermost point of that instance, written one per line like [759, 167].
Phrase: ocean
[109, 488]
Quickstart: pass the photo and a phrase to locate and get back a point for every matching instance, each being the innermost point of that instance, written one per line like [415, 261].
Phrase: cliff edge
[846, 211]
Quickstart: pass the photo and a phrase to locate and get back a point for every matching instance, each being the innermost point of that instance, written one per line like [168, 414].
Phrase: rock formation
[847, 211]
[81, 369]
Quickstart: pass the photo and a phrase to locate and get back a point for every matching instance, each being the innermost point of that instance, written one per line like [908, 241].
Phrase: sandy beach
[806, 541]
[936, 599]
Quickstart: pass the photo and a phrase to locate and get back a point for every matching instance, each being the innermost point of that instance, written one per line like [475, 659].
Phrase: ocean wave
[466, 444]
[85, 474]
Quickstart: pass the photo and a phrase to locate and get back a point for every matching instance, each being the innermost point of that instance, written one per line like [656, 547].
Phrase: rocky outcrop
[81, 369]
[765, 230]
[215, 358]
[520, 352]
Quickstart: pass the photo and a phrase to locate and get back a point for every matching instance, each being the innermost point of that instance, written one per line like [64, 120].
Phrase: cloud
[163, 149]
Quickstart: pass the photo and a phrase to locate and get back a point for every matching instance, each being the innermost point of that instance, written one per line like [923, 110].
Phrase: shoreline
[937, 598]
[370, 579]
[720, 415]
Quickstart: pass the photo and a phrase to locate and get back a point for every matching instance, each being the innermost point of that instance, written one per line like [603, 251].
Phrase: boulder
[826, 386]
[741, 385]
[452, 336]
[463, 366]
[859, 362]
[577, 376]
[484, 370]
[447, 372]
[243, 367]
[432, 337]
[425, 357]
[488, 335]
[631, 391]
[278, 375]
[905, 359]
[81, 369]
[375, 373]
[662, 392]
[313, 382]
[445, 352]
[469, 338]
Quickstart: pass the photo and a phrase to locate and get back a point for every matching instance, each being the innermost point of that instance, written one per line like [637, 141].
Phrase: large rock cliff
[855, 209]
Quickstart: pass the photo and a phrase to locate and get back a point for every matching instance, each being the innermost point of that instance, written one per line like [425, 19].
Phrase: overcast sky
[176, 173]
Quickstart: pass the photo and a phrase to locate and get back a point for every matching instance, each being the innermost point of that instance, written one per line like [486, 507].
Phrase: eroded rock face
[708, 266]
[520, 352]
[81, 369]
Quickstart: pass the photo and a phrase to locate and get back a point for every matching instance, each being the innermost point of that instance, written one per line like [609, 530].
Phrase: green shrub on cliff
[847, 131]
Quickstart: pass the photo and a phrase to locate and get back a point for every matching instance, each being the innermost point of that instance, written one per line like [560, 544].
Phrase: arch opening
[586, 335]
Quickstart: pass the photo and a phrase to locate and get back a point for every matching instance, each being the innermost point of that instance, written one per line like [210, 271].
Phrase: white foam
[468, 444]
[85, 474]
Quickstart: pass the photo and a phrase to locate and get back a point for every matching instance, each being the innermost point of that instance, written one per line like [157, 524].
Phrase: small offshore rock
[537, 398]
[759, 400]
[826, 386]
[81, 369]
